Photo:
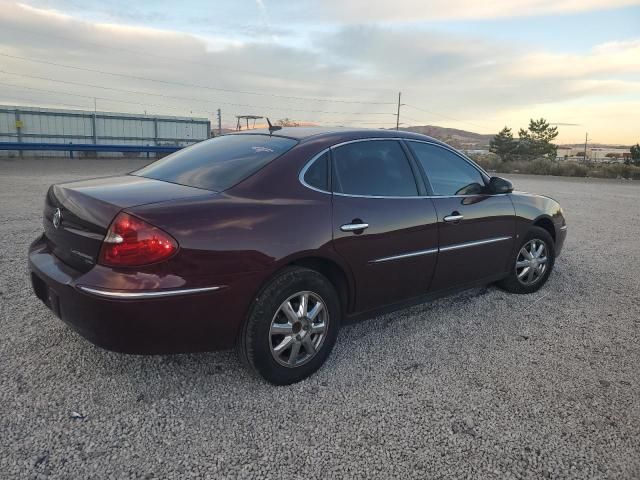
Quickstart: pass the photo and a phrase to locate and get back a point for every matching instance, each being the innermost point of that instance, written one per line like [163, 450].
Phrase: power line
[84, 107]
[191, 85]
[208, 88]
[318, 122]
[195, 99]
[353, 121]
[200, 64]
[109, 99]
[99, 98]
[412, 119]
[168, 82]
[317, 99]
[206, 113]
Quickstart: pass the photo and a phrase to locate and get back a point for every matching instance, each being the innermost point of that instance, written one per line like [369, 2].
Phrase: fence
[41, 129]
[78, 147]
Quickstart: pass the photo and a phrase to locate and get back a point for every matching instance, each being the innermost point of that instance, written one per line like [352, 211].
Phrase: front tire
[533, 263]
[292, 326]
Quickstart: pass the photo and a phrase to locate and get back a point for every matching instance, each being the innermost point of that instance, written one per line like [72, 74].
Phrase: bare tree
[286, 122]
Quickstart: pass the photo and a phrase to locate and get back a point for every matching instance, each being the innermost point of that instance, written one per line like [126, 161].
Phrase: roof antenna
[273, 128]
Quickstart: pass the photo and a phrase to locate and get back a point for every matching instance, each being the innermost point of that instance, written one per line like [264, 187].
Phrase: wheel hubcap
[532, 261]
[298, 329]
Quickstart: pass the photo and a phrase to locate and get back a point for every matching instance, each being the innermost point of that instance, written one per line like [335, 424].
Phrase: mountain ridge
[455, 137]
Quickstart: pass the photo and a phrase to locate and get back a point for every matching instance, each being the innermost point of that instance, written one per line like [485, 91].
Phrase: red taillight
[131, 242]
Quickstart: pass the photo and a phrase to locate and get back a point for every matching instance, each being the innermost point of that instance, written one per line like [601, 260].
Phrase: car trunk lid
[78, 214]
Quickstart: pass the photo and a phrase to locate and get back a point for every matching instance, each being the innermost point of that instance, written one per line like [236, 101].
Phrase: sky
[464, 64]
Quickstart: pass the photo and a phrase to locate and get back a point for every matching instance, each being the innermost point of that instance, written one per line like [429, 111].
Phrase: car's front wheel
[532, 264]
[292, 326]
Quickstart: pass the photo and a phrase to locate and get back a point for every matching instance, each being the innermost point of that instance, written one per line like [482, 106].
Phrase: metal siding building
[47, 125]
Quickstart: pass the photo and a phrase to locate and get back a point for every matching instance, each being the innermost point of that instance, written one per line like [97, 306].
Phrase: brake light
[132, 242]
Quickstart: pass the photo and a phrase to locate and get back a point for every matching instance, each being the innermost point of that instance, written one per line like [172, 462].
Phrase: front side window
[448, 173]
[373, 168]
[219, 163]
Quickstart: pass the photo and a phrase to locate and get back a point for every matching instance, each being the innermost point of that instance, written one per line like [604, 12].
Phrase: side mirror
[500, 185]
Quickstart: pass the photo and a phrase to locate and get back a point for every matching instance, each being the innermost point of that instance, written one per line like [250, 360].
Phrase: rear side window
[448, 173]
[375, 167]
[219, 163]
[317, 175]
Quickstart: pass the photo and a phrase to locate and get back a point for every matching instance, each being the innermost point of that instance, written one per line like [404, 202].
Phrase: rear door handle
[454, 217]
[354, 227]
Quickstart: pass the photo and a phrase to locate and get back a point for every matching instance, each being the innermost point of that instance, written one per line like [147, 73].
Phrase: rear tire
[532, 264]
[292, 326]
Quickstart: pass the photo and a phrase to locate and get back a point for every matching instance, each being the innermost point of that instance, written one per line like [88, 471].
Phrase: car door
[383, 228]
[476, 229]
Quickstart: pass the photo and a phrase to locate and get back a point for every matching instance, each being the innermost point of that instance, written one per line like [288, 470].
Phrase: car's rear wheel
[532, 264]
[292, 326]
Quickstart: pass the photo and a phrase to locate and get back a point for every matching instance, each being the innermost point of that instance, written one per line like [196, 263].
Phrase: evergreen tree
[536, 141]
[503, 144]
[635, 154]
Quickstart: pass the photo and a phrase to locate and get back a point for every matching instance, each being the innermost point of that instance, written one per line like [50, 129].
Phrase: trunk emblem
[57, 218]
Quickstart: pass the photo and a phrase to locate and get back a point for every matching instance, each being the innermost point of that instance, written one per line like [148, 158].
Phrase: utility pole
[398, 114]
[94, 122]
[219, 123]
[586, 135]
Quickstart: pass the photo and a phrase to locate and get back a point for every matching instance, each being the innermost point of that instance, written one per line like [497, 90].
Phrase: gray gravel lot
[482, 384]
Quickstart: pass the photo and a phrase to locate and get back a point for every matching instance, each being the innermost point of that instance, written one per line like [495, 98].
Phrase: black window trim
[484, 175]
[414, 171]
[308, 165]
[420, 176]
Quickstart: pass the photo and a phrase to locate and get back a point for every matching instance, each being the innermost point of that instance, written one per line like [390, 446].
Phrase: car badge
[57, 218]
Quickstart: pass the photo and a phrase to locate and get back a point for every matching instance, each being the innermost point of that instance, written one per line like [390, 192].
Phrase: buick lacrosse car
[269, 240]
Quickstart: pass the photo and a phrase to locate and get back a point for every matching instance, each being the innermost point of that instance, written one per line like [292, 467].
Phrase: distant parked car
[269, 240]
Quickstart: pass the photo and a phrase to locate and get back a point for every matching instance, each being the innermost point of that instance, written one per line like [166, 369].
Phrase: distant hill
[595, 145]
[454, 137]
[464, 140]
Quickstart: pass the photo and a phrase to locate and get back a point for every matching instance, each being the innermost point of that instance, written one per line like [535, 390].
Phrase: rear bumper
[189, 319]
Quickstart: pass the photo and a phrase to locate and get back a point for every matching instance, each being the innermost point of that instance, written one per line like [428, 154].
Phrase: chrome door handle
[353, 227]
[453, 218]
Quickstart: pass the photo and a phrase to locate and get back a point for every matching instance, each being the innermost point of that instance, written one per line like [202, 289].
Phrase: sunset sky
[465, 64]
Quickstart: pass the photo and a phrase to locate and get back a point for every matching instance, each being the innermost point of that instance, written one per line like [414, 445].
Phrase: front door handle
[453, 218]
[354, 227]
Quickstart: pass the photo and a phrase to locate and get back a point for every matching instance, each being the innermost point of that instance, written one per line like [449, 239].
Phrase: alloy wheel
[532, 261]
[298, 329]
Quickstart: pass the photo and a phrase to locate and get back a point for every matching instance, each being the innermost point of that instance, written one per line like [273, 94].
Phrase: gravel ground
[482, 384]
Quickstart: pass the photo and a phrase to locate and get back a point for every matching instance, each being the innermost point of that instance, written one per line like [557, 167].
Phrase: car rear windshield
[219, 163]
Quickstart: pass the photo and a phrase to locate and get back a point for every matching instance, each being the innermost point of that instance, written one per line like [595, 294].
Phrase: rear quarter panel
[241, 237]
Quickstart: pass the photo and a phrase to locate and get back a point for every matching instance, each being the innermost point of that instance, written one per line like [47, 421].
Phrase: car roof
[309, 133]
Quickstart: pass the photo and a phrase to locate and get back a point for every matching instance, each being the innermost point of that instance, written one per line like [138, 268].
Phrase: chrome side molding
[147, 293]
[457, 246]
[448, 248]
[430, 251]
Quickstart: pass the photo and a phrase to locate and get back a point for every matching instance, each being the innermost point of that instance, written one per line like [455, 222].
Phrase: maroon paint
[241, 237]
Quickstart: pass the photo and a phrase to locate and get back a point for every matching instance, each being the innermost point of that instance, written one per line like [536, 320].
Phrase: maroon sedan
[269, 240]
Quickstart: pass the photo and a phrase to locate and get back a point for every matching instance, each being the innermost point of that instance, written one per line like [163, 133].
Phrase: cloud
[414, 53]
[607, 121]
[465, 75]
[171, 57]
[420, 10]
[460, 76]
[612, 58]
